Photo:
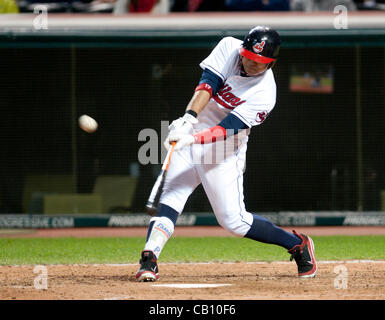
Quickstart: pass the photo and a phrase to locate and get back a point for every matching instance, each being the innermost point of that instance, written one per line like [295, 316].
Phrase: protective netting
[322, 147]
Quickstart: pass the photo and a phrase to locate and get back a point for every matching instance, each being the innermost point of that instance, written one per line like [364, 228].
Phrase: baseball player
[237, 91]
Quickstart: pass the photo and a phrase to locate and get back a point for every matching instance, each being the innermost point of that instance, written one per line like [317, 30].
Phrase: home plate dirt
[191, 285]
[239, 281]
[335, 280]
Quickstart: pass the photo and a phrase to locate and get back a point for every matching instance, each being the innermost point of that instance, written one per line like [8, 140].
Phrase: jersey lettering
[229, 100]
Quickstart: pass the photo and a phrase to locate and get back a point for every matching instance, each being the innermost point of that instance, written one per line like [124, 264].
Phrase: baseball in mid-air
[87, 123]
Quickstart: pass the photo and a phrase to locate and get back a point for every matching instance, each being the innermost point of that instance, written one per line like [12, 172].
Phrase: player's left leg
[223, 184]
[160, 229]
[180, 183]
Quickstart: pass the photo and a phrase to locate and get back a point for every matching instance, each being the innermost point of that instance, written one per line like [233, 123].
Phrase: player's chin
[255, 72]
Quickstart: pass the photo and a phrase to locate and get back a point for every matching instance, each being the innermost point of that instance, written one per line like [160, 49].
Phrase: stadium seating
[55, 194]
[117, 192]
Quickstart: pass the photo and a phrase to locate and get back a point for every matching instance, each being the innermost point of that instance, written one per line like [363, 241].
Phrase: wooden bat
[153, 199]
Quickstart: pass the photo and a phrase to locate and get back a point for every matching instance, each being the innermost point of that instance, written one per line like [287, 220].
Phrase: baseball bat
[153, 199]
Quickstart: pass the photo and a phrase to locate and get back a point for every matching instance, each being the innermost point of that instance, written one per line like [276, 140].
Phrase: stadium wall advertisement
[199, 219]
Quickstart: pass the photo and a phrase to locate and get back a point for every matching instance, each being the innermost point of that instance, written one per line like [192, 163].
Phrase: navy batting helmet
[261, 44]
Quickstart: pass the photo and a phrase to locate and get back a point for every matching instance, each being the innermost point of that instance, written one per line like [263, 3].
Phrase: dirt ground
[335, 280]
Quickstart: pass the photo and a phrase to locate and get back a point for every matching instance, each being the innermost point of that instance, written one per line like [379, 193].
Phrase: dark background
[290, 159]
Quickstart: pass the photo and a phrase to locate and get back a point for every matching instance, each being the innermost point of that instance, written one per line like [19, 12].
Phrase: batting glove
[182, 125]
[182, 140]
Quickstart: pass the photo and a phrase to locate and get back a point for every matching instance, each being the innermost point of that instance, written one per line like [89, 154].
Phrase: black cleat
[303, 254]
[148, 270]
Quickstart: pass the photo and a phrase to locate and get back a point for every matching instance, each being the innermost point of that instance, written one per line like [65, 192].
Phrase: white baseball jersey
[250, 99]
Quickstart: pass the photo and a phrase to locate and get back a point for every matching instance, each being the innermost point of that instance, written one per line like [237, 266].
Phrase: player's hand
[183, 125]
[182, 140]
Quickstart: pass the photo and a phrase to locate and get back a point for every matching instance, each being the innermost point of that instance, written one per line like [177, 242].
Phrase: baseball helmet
[262, 45]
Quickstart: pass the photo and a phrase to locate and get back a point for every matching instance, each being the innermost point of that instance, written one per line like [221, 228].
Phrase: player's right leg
[180, 182]
[301, 247]
[223, 184]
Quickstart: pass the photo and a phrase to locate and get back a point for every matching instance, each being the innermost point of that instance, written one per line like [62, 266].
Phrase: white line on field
[118, 298]
[342, 295]
[193, 263]
[192, 285]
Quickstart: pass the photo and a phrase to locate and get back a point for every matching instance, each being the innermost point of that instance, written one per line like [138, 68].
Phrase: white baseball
[87, 123]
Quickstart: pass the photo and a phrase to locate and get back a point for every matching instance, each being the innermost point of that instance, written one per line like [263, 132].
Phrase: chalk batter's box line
[192, 263]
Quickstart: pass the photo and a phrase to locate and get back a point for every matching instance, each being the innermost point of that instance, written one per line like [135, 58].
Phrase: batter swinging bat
[153, 199]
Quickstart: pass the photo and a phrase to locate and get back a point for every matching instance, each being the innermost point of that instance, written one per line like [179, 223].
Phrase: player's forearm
[199, 101]
[210, 135]
[231, 125]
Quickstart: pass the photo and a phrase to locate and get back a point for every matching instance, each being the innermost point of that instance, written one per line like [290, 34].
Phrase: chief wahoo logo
[258, 47]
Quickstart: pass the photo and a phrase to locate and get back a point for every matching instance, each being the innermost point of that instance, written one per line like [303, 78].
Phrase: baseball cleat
[303, 254]
[148, 270]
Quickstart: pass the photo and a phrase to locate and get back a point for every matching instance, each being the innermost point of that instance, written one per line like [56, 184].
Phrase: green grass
[21, 251]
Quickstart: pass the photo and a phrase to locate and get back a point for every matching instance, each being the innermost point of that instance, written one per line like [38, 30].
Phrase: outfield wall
[199, 219]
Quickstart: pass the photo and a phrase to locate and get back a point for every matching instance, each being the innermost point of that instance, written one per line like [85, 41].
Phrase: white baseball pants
[222, 181]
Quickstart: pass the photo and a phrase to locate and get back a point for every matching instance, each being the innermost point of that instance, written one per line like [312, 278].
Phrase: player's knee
[237, 227]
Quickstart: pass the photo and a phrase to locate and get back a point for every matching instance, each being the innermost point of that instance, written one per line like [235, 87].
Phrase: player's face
[252, 67]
